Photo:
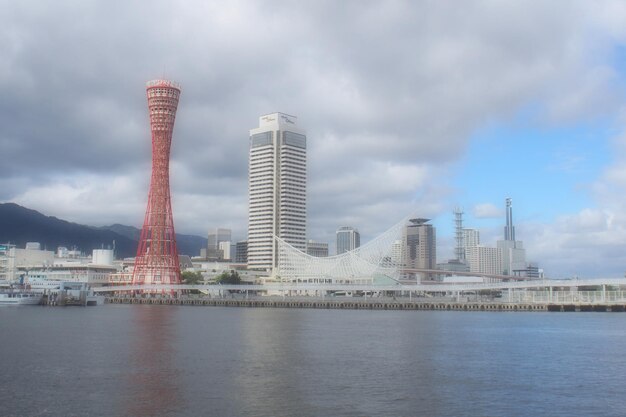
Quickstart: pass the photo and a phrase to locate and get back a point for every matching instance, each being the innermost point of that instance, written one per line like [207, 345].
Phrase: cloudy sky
[409, 107]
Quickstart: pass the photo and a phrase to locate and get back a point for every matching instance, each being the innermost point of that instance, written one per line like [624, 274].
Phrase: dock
[370, 304]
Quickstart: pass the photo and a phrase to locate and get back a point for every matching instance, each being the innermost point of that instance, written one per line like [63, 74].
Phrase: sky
[409, 107]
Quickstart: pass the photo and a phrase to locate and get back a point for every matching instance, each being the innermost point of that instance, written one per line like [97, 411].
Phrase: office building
[215, 238]
[471, 237]
[420, 246]
[241, 252]
[317, 249]
[348, 238]
[277, 188]
[224, 253]
[484, 260]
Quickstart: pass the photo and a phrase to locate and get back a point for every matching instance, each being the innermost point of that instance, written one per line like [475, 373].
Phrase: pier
[601, 295]
[369, 304]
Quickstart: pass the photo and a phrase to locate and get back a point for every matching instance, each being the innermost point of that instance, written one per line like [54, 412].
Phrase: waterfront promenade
[538, 295]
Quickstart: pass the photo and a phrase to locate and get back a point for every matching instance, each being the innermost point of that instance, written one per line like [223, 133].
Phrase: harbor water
[153, 360]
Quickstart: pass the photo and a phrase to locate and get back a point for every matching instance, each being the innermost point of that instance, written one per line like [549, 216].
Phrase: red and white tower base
[157, 255]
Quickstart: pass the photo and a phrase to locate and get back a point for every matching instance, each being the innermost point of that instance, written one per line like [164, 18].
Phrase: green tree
[192, 278]
[231, 278]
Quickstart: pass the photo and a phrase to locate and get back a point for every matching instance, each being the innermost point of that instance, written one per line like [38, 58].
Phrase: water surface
[142, 360]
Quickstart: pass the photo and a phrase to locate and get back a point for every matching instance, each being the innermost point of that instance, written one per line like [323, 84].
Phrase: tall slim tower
[509, 229]
[157, 255]
[277, 188]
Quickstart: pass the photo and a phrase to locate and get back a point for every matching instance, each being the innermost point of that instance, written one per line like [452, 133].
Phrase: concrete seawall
[366, 305]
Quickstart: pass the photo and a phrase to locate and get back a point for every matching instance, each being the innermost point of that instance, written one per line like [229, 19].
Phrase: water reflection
[153, 380]
[269, 381]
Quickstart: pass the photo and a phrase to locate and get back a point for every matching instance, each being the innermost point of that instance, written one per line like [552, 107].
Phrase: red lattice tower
[157, 255]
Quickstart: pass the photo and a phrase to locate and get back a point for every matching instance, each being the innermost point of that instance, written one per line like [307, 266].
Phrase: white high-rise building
[484, 259]
[277, 188]
[471, 237]
[215, 238]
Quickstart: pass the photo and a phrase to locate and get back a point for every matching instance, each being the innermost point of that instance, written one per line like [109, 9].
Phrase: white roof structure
[368, 264]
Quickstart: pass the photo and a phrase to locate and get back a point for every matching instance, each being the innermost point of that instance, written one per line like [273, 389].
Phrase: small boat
[15, 298]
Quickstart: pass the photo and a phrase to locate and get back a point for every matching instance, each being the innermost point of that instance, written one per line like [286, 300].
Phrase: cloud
[486, 211]
[389, 93]
[592, 241]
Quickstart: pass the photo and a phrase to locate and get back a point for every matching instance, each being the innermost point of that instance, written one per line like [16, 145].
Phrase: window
[261, 139]
[294, 139]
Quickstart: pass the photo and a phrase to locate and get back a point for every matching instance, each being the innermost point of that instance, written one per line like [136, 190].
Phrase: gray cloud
[389, 93]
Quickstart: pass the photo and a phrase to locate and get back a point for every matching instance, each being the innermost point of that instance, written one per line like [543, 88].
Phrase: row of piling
[365, 305]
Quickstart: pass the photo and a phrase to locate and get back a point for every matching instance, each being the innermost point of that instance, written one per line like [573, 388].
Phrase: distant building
[533, 271]
[215, 237]
[513, 257]
[317, 249]
[102, 257]
[224, 251]
[33, 246]
[452, 266]
[471, 237]
[241, 252]
[484, 259]
[513, 252]
[25, 259]
[420, 246]
[396, 253]
[277, 188]
[348, 238]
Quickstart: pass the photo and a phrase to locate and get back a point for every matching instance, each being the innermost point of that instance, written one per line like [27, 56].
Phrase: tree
[192, 278]
[231, 278]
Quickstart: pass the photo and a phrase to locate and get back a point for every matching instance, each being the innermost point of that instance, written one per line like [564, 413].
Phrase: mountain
[187, 244]
[19, 225]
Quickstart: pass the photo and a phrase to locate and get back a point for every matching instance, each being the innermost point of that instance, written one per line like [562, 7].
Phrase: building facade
[471, 237]
[241, 252]
[348, 238]
[484, 259]
[317, 249]
[420, 246]
[215, 237]
[276, 188]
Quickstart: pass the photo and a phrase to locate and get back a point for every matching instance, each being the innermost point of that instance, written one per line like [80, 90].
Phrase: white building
[102, 257]
[215, 237]
[513, 257]
[277, 188]
[471, 237]
[14, 260]
[224, 250]
[484, 259]
[96, 275]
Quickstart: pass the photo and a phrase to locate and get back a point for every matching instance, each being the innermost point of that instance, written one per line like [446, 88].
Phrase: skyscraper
[420, 246]
[215, 237]
[348, 238]
[317, 249]
[241, 252]
[277, 188]
[471, 237]
[157, 255]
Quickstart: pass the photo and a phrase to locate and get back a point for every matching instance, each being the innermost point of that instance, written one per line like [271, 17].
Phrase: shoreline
[371, 304]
